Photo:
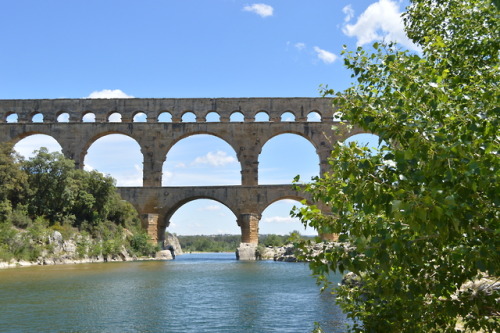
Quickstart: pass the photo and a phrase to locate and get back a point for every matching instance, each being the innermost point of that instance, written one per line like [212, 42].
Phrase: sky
[190, 49]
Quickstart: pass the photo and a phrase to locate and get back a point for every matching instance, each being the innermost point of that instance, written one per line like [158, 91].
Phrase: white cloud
[280, 219]
[349, 13]
[180, 165]
[219, 158]
[300, 46]
[380, 21]
[260, 9]
[108, 93]
[325, 56]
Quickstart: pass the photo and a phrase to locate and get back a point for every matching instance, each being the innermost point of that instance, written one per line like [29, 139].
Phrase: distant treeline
[229, 243]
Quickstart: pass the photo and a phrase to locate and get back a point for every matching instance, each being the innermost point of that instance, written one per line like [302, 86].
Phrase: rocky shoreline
[65, 252]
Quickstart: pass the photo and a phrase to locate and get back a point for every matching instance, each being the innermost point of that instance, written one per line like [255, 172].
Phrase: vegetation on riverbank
[45, 194]
[229, 243]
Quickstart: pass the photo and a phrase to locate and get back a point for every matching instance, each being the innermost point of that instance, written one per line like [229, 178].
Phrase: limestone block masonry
[164, 127]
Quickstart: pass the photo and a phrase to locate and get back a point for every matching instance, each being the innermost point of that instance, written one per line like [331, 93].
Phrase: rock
[172, 240]
[164, 255]
[247, 251]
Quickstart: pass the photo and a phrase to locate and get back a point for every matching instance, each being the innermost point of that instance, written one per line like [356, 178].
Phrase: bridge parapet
[76, 109]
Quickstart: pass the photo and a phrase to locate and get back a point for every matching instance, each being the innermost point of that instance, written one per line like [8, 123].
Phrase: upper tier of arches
[158, 110]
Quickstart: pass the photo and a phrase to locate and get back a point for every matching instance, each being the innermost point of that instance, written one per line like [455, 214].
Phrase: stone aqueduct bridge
[155, 203]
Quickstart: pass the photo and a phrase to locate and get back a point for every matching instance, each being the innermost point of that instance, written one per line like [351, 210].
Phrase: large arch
[201, 159]
[295, 152]
[117, 155]
[217, 218]
[26, 144]
[276, 218]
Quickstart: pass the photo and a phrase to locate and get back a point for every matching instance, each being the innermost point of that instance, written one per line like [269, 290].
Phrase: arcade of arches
[157, 203]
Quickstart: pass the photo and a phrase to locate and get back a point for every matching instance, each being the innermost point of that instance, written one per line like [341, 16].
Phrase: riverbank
[58, 251]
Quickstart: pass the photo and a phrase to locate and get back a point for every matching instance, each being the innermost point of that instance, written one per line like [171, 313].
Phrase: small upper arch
[37, 117]
[139, 117]
[262, 116]
[62, 117]
[237, 116]
[88, 117]
[288, 116]
[212, 117]
[164, 117]
[314, 116]
[114, 117]
[11, 117]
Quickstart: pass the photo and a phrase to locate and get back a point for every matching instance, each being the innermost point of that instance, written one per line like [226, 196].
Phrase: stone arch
[37, 117]
[88, 145]
[62, 117]
[276, 216]
[46, 141]
[88, 117]
[212, 117]
[164, 117]
[288, 116]
[188, 117]
[262, 116]
[226, 142]
[163, 225]
[291, 160]
[237, 116]
[139, 117]
[314, 116]
[11, 115]
[114, 117]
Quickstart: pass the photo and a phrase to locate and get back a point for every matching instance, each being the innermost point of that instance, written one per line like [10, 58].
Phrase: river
[209, 292]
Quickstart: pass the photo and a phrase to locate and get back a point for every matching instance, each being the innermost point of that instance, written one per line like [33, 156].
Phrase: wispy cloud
[260, 9]
[219, 158]
[300, 46]
[381, 21]
[349, 13]
[280, 219]
[108, 93]
[325, 56]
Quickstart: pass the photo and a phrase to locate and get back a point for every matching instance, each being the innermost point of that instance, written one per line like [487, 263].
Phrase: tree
[419, 218]
[13, 181]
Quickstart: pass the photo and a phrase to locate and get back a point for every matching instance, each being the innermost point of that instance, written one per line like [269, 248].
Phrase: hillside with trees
[46, 193]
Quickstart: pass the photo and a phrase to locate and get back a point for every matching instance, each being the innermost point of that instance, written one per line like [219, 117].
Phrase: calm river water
[195, 293]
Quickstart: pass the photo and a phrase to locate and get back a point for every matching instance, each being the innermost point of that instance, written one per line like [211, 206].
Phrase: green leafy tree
[418, 218]
[13, 181]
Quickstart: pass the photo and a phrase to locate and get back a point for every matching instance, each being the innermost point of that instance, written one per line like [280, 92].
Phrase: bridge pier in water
[249, 224]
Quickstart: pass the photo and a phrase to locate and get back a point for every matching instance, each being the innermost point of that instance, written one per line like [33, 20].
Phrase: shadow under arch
[201, 150]
[198, 215]
[286, 155]
[116, 154]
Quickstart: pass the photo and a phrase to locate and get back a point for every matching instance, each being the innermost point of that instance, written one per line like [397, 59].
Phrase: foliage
[140, 244]
[46, 194]
[13, 181]
[213, 243]
[418, 218]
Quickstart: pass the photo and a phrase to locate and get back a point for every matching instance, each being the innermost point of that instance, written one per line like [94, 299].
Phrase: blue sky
[189, 48]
